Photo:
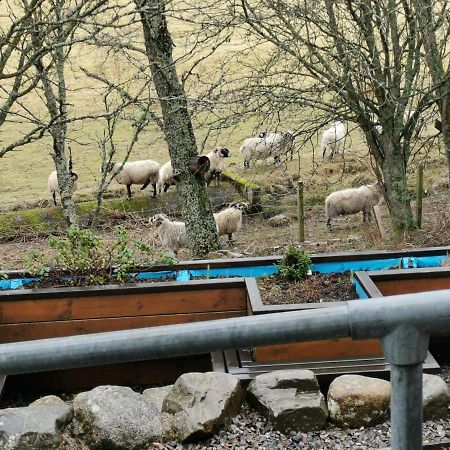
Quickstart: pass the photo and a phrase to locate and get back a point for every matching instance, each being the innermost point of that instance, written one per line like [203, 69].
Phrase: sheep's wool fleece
[137, 172]
[228, 221]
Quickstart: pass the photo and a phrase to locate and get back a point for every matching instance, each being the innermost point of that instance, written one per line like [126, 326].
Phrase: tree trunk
[397, 195]
[196, 209]
[445, 119]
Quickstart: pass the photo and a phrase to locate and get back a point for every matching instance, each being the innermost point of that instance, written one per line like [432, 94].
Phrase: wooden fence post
[419, 195]
[300, 212]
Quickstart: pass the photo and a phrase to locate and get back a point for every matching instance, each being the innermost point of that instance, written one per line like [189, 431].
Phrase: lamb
[217, 164]
[229, 220]
[165, 177]
[333, 139]
[143, 172]
[53, 186]
[172, 234]
[352, 201]
[267, 144]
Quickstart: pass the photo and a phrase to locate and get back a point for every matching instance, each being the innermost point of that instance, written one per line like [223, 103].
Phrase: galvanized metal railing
[403, 322]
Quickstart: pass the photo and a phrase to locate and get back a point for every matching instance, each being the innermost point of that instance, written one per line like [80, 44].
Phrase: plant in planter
[295, 264]
[84, 258]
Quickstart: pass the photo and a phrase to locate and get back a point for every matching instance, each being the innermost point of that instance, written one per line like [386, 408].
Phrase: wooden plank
[379, 221]
[218, 362]
[123, 305]
[404, 286]
[131, 374]
[41, 330]
[319, 350]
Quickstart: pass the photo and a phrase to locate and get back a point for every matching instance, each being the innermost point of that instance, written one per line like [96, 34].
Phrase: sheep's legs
[54, 198]
[154, 189]
[145, 185]
[129, 191]
[246, 164]
[230, 239]
[329, 223]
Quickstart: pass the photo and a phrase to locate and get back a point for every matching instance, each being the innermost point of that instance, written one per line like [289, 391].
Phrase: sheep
[352, 201]
[53, 185]
[165, 177]
[217, 164]
[289, 147]
[229, 220]
[267, 144]
[333, 139]
[172, 234]
[143, 172]
[420, 121]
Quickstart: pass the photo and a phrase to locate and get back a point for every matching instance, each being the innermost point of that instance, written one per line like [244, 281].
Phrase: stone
[357, 401]
[115, 417]
[278, 221]
[52, 400]
[35, 427]
[436, 398]
[201, 404]
[157, 395]
[291, 399]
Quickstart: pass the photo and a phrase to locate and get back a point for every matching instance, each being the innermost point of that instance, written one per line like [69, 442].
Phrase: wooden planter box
[48, 313]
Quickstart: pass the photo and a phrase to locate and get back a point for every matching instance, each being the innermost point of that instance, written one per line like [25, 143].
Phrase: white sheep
[352, 201]
[53, 185]
[165, 177]
[229, 220]
[172, 234]
[143, 172]
[267, 144]
[333, 139]
[217, 164]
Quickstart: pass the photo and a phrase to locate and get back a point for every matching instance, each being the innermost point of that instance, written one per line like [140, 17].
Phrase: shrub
[295, 264]
[84, 258]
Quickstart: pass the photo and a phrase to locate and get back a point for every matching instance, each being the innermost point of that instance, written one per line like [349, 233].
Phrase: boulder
[291, 399]
[356, 401]
[157, 395]
[200, 404]
[436, 398]
[50, 400]
[115, 417]
[35, 427]
[278, 221]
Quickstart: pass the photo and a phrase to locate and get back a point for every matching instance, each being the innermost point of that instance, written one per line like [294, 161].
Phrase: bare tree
[361, 61]
[178, 131]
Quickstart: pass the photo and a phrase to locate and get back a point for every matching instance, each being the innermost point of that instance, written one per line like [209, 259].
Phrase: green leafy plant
[84, 258]
[295, 264]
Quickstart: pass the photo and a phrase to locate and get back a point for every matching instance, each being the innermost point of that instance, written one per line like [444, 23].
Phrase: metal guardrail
[403, 322]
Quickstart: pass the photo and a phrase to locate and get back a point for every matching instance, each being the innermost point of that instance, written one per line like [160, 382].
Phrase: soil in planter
[316, 288]
[50, 282]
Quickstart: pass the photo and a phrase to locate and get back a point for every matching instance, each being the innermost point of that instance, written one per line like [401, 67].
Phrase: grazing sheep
[143, 172]
[229, 220]
[53, 186]
[172, 234]
[217, 164]
[352, 201]
[165, 177]
[333, 139]
[268, 144]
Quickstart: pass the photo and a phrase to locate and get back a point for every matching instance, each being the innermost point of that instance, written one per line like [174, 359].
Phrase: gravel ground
[250, 431]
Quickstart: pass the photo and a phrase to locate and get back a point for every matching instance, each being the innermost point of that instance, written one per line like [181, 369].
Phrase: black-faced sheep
[353, 201]
[229, 220]
[333, 139]
[143, 172]
[217, 164]
[53, 186]
[172, 234]
[165, 177]
[267, 144]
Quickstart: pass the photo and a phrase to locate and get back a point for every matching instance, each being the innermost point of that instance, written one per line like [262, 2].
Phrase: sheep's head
[242, 206]
[74, 176]
[107, 167]
[225, 153]
[262, 134]
[157, 220]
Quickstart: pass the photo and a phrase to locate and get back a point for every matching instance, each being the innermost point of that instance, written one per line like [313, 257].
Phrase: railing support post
[405, 349]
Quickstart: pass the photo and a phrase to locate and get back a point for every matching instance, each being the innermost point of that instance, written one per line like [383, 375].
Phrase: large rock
[115, 417]
[200, 404]
[355, 401]
[49, 400]
[36, 427]
[291, 399]
[436, 398]
[157, 395]
[279, 220]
